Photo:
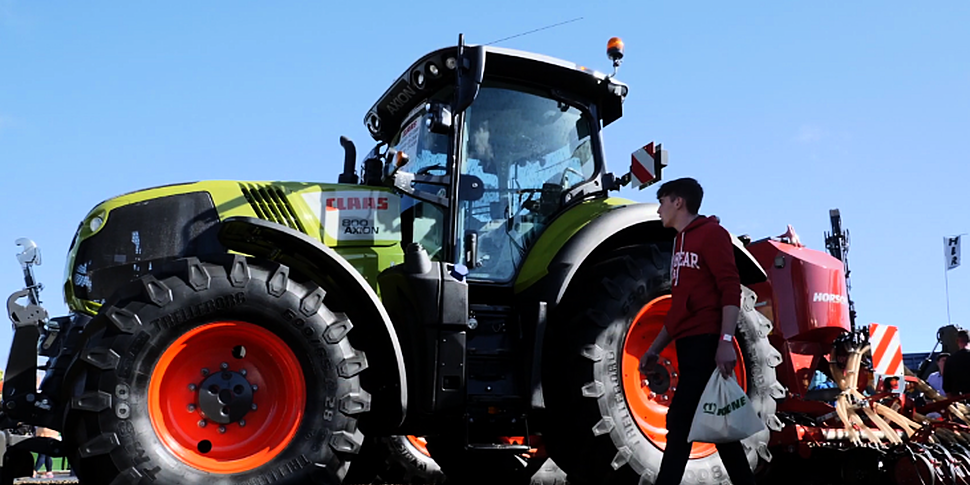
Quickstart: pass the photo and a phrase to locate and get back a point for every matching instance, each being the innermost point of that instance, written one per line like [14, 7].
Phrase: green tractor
[474, 284]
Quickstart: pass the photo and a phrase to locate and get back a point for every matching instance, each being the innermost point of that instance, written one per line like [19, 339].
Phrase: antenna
[534, 31]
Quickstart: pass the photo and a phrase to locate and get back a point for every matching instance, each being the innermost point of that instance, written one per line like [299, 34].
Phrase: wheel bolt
[666, 362]
[664, 397]
[673, 389]
[205, 371]
[242, 422]
[224, 366]
[673, 374]
[202, 423]
[193, 387]
[191, 408]
[254, 406]
[222, 429]
[653, 395]
[255, 388]
[242, 371]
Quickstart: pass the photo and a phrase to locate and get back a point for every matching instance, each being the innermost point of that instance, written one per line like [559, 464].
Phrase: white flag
[952, 252]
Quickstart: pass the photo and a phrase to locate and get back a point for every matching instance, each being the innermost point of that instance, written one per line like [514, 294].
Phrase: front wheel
[395, 459]
[609, 425]
[217, 372]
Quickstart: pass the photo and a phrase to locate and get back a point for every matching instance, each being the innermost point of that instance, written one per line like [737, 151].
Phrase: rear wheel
[231, 371]
[610, 426]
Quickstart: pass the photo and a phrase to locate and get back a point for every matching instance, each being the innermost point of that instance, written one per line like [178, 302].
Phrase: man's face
[668, 207]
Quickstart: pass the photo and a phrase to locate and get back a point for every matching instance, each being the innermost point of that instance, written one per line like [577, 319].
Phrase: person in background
[956, 380]
[42, 459]
[935, 380]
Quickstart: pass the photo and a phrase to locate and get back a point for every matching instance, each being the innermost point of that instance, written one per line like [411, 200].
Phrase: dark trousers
[44, 460]
[695, 361]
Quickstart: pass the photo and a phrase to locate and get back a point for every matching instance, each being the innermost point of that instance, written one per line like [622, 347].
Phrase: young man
[706, 299]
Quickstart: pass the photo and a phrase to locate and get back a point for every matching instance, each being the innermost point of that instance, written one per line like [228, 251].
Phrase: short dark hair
[963, 336]
[685, 188]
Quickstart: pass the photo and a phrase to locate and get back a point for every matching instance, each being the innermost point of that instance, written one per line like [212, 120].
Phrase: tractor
[475, 284]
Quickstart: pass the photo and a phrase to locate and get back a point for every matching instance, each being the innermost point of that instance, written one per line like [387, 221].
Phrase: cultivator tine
[942, 459]
[962, 455]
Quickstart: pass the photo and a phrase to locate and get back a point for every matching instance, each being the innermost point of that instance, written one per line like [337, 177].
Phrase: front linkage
[23, 405]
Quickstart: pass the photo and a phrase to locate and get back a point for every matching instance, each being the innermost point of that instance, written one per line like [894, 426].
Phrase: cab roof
[436, 71]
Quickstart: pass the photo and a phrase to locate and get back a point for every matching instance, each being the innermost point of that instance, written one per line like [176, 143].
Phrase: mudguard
[373, 331]
[625, 224]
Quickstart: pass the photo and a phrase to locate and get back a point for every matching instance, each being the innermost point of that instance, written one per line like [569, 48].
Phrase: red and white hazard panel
[887, 352]
[646, 165]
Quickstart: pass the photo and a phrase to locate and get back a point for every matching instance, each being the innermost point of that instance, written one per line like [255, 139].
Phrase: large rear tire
[610, 428]
[217, 372]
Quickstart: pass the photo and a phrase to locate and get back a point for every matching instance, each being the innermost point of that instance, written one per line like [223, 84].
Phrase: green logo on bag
[710, 408]
[733, 406]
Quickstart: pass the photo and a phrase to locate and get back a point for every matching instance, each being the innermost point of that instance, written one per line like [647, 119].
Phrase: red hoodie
[703, 279]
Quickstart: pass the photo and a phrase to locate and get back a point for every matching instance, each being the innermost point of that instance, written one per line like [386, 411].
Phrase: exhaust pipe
[350, 158]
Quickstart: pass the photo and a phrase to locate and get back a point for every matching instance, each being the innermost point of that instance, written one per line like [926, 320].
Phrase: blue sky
[782, 110]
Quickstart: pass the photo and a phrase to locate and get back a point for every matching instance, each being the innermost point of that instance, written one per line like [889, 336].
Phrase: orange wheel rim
[420, 443]
[649, 408]
[227, 397]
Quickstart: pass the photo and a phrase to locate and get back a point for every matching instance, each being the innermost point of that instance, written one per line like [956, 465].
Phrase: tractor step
[498, 447]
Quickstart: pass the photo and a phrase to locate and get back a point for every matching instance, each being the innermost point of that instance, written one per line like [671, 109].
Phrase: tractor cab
[487, 146]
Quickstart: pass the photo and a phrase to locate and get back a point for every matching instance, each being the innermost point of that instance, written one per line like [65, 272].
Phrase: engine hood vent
[270, 203]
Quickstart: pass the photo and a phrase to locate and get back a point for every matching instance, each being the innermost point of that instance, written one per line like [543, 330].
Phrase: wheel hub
[225, 397]
[237, 417]
[659, 380]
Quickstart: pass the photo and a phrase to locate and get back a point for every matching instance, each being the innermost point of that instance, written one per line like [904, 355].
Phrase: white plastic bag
[724, 414]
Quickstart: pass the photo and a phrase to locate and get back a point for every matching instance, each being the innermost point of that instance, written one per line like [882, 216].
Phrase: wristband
[727, 337]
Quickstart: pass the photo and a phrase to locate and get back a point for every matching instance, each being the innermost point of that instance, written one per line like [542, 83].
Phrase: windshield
[422, 222]
[524, 150]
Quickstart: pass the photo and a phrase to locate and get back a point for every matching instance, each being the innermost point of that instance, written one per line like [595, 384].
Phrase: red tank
[805, 297]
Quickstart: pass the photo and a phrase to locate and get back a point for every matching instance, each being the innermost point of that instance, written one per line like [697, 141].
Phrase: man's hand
[648, 362]
[725, 358]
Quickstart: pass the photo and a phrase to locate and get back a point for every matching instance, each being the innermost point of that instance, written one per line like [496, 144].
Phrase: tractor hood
[436, 71]
[122, 238]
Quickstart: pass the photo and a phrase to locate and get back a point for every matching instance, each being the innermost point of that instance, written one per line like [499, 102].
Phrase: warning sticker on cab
[368, 216]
